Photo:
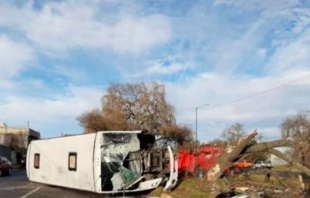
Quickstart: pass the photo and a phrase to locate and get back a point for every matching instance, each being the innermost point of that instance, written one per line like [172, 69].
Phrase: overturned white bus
[106, 162]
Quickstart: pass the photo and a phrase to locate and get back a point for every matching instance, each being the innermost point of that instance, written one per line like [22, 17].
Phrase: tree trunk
[227, 159]
[265, 146]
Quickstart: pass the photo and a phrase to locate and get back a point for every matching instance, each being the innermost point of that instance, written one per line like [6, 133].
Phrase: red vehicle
[5, 166]
[197, 161]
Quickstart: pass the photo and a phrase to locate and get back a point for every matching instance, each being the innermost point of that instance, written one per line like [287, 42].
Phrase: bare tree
[177, 133]
[19, 141]
[219, 143]
[260, 137]
[95, 120]
[297, 128]
[136, 106]
[143, 105]
[233, 133]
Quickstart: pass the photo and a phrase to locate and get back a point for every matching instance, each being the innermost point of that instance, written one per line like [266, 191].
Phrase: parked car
[262, 164]
[5, 166]
[244, 164]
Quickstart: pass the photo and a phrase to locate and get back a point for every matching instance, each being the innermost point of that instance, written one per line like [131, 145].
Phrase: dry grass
[191, 187]
[195, 187]
[288, 168]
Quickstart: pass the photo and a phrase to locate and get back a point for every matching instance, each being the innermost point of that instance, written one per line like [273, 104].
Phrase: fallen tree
[245, 147]
[283, 187]
[228, 158]
[265, 146]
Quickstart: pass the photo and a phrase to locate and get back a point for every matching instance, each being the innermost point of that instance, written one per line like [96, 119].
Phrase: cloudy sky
[248, 59]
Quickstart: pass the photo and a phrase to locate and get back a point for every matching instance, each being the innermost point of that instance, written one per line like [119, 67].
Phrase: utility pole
[196, 110]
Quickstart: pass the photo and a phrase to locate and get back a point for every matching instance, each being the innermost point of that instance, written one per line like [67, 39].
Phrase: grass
[261, 179]
[285, 168]
[191, 187]
[195, 187]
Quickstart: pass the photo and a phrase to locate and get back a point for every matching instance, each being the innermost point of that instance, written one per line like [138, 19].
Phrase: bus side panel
[49, 162]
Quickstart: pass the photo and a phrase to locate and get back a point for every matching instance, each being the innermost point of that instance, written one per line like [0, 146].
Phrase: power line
[263, 92]
[254, 95]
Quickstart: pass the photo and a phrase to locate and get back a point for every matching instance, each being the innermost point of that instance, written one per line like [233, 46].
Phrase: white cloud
[226, 46]
[158, 68]
[261, 52]
[270, 7]
[71, 25]
[303, 20]
[73, 73]
[29, 84]
[140, 34]
[283, 48]
[54, 115]
[275, 23]
[6, 85]
[15, 18]
[293, 54]
[14, 57]
[261, 111]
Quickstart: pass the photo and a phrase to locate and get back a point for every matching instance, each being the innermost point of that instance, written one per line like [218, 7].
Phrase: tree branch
[265, 146]
[290, 160]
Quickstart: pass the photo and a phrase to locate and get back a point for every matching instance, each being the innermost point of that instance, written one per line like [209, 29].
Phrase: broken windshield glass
[115, 149]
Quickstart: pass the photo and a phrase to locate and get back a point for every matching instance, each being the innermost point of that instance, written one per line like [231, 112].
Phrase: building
[276, 161]
[14, 141]
[5, 151]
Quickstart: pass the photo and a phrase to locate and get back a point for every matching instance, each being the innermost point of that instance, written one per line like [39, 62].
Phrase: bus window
[72, 161]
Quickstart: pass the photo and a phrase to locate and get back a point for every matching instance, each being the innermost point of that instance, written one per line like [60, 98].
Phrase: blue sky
[58, 57]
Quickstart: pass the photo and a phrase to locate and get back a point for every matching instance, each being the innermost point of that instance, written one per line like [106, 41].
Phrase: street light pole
[196, 129]
[196, 110]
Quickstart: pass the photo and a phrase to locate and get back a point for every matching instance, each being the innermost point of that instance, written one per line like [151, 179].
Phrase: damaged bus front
[132, 162]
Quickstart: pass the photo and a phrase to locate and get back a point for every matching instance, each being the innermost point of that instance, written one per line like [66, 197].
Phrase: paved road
[17, 185]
